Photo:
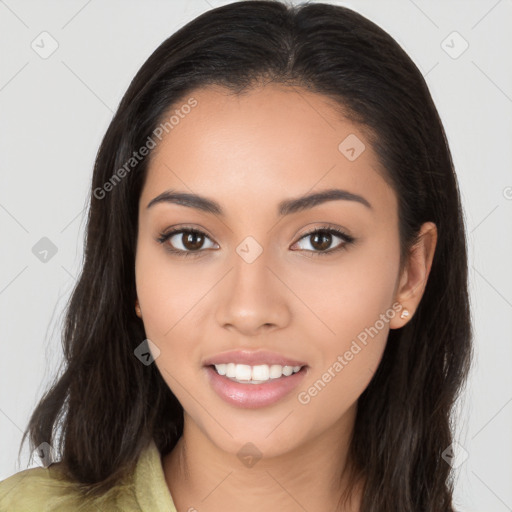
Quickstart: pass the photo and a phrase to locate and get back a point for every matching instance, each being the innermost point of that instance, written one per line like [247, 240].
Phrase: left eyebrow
[286, 207]
[290, 206]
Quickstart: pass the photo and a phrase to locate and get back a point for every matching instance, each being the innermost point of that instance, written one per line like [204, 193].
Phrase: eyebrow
[286, 207]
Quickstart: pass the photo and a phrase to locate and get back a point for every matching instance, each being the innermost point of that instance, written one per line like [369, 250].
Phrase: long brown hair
[105, 407]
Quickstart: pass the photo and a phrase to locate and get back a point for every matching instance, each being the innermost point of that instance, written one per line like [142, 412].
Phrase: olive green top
[45, 489]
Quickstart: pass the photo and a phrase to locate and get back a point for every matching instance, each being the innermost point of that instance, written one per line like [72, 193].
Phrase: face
[254, 279]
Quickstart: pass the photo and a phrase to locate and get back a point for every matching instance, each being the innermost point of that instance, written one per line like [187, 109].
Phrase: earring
[137, 309]
[405, 313]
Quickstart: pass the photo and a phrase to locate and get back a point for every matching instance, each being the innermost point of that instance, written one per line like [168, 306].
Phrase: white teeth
[221, 368]
[243, 372]
[255, 374]
[230, 370]
[287, 370]
[276, 371]
[261, 372]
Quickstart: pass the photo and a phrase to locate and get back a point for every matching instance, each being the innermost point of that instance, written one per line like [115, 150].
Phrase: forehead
[269, 143]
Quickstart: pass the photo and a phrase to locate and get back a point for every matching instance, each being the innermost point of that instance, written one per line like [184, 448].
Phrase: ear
[415, 274]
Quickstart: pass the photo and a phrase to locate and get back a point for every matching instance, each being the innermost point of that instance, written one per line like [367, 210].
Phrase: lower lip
[252, 396]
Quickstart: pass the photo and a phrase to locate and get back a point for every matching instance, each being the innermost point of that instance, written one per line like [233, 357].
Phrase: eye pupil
[193, 241]
[325, 240]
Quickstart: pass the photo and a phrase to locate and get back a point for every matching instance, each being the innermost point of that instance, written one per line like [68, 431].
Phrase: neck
[311, 477]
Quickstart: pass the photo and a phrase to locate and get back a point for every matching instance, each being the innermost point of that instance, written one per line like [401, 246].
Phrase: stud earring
[137, 309]
[405, 313]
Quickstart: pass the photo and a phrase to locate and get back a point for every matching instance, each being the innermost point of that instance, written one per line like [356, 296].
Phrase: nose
[254, 298]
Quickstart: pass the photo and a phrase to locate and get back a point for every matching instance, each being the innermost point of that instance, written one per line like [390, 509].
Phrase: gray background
[55, 110]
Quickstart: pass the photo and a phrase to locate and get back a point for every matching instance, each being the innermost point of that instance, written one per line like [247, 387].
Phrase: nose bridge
[251, 275]
[253, 295]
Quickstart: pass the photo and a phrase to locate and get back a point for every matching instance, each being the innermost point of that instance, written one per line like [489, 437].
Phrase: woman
[273, 309]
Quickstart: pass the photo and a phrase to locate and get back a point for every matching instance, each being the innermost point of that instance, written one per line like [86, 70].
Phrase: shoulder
[32, 489]
[47, 490]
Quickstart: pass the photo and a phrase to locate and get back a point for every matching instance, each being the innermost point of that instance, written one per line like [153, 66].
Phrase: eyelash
[347, 240]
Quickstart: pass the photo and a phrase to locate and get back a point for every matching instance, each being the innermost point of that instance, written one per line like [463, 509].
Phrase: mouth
[251, 387]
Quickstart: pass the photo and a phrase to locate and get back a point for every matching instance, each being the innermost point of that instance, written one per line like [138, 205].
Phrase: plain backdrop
[55, 110]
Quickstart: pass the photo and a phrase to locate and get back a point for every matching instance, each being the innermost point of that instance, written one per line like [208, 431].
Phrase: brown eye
[321, 240]
[192, 241]
[185, 241]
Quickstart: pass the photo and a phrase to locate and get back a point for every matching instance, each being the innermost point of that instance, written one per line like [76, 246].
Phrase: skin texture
[249, 153]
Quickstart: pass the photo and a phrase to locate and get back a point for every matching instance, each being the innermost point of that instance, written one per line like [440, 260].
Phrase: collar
[151, 488]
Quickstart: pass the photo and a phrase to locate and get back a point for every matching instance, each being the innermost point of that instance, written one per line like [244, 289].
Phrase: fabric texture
[45, 490]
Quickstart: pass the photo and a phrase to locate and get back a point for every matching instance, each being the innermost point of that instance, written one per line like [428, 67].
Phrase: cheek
[349, 293]
[347, 361]
[353, 300]
[167, 290]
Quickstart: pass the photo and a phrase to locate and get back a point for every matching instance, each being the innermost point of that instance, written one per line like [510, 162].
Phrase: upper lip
[252, 358]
